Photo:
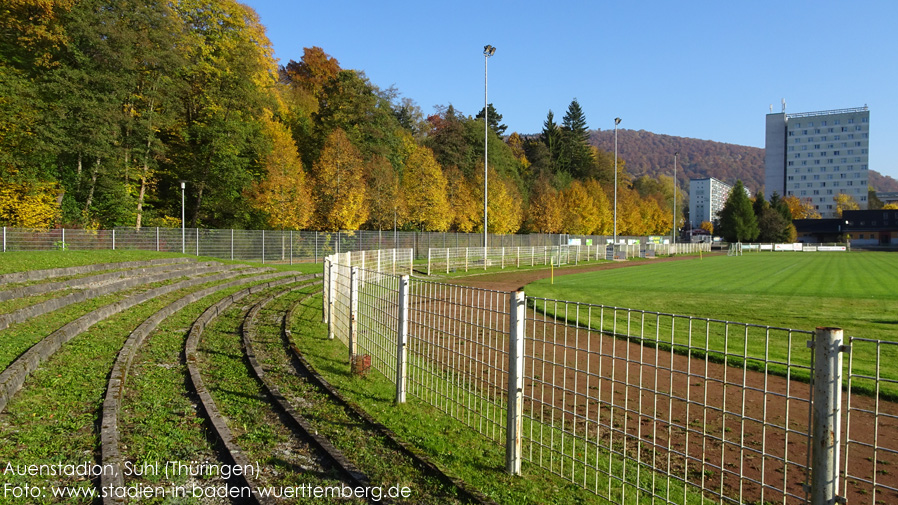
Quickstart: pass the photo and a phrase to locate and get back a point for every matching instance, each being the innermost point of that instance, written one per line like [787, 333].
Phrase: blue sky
[702, 69]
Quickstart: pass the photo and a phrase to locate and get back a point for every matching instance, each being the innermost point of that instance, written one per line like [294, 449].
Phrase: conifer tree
[737, 218]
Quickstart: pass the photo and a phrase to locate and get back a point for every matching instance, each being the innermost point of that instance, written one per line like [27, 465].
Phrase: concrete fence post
[353, 312]
[4, 239]
[325, 293]
[447, 260]
[827, 415]
[63, 239]
[402, 341]
[197, 232]
[157, 239]
[331, 294]
[113, 239]
[428, 261]
[263, 247]
[515, 414]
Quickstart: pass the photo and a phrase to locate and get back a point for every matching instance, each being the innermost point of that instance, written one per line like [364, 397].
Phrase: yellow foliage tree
[283, 194]
[385, 202]
[424, 186]
[845, 202]
[581, 216]
[506, 212]
[801, 209]
[544, 213]
[603, 207]
[464, 207]
[629, 213]
[28, 205]
[890, 206]
[655, 220]
[340, 192]
[708, 226]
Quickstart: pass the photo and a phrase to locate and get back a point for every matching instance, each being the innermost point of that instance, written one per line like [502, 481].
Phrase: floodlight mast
[488, 51]
[616, 122]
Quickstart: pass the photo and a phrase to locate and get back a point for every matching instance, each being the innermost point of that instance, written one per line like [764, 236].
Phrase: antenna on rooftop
[784, 105]
[771, 108]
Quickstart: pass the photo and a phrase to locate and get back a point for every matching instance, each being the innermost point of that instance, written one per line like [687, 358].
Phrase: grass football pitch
[855, 291]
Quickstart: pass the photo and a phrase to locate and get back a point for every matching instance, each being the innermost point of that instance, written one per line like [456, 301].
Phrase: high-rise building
[706, 199]
[818, 155]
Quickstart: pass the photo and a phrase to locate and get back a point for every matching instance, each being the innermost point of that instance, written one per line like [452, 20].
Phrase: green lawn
[856, 291]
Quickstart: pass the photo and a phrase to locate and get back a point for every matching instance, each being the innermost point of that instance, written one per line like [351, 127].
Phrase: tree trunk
[93, 184]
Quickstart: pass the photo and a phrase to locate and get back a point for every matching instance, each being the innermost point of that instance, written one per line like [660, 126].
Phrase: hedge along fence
[615, 408]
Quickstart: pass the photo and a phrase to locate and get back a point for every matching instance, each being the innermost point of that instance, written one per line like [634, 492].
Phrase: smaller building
[706, 199]
[863, 227]
[887, 197]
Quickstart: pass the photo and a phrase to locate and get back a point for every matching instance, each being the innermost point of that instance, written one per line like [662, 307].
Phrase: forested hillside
[652, 154]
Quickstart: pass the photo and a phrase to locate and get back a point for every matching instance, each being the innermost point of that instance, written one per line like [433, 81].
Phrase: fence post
[331, 287]
[232, 244]
[402, 341]
[157, 239]
[515, 414]
[353, 312]
[827, 414]
[197, 232]
[113, 239]
[63, 239]
[325, 294]
[4, 239]
[291, 247]
[428, 261]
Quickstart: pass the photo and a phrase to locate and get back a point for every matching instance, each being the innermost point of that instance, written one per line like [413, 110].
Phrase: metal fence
[470, 258]
[635, 405]
[271, 246]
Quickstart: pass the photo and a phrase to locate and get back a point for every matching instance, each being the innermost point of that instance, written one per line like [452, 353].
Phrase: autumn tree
[545, 210]
[580, 215]
[283, 193]
[385, 202]
[340, 192]
[605, 224]
[844, 202]
[424, 186]
[800, 209]
[465, 208]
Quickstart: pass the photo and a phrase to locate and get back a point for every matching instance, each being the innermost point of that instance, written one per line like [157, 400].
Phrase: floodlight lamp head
[489, 50]
[182, 184]
[616, 121]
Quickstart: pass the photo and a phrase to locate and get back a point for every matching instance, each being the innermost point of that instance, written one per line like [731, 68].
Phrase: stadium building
[818, 155]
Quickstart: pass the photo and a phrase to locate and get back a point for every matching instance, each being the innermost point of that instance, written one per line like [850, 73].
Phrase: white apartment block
[706, 199]
[817, 155]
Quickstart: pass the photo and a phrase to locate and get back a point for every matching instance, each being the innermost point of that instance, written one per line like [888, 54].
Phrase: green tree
[575, 155]
[494, 119]
[737, 221]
